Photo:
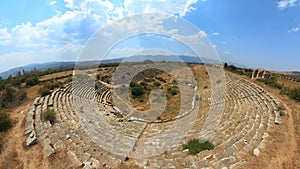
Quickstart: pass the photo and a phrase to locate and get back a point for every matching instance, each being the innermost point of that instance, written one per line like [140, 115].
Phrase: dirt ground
[55, 75]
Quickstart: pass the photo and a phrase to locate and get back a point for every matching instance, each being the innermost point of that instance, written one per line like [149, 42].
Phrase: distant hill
[293, 74]
[136, 58]
[38, 66]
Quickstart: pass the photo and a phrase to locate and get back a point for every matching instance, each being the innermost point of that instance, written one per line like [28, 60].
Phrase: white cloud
[67, 52]
[5, 37]
[282, 4]
[27, 35]
[172, 7]
[294, 29]
[52, 3]
[82, 19]
[86, 17]
[216, 33]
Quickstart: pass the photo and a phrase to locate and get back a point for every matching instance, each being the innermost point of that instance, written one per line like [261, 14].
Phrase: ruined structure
[260, 73]
[244, 128]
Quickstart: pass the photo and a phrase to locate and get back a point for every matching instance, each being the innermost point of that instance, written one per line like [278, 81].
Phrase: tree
[31, 81]
[137, 91]
[5, 122]
[225, 65]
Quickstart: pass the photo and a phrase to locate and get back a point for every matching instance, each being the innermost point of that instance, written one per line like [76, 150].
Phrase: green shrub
[172, 91]
[137, 91]
[43, 91]
[53, 85]
[156, 84]
[5, 122]
[31, 81]
[195, 146]
[49, 115]
[148, 79]
[271, 82]
[11, 97]
[133, 84]
[294, 94]
[144, 84]
[1, 143]
[161, 79]
[47, 87]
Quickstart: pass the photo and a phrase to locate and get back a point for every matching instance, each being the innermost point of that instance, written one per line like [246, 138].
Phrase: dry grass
[55, 75]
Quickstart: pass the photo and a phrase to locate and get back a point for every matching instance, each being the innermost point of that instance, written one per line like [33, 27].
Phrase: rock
[277, 118]
[31, 140]
[256, 152]
[68, 136]
[37, 101]
[48, 150]
[186, 151]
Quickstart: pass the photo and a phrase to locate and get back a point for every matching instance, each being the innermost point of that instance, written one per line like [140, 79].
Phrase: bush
[271, 82]
[137, 91]
[53, 85]
[133, 84]
[46, 89]
[11, 97]
[43, 91]
[195, 146]
[5, 122]
[156, 84]
[294, 94]
[31, 81]
[172, 91]
[49, 115]
[1, 144]
[161, 79]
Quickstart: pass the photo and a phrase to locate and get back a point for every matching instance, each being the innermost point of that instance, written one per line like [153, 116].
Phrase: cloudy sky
[254, 33]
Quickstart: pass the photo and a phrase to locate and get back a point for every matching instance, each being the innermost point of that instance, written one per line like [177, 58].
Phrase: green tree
[5, 122]
[137, 91]
[31, 81]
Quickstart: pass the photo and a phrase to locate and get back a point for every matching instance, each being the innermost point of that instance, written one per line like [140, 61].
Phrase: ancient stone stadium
[245, 127]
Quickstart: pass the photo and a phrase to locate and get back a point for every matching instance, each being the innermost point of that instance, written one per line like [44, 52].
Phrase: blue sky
[254, 33]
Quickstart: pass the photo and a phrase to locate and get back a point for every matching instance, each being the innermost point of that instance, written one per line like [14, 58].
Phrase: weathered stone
[48, 150]
[256, 152]
[59, 145]
[31, 139]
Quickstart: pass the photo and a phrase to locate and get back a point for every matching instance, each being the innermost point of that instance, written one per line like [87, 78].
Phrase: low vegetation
[195, 146]
[137, 90]
[11, 96]
[47, 87]
[294, 94]
[271, 82]
[1, 144]
[173, 90]
[237, 70]
[31, 81]
[5, 122]
[49, 115]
